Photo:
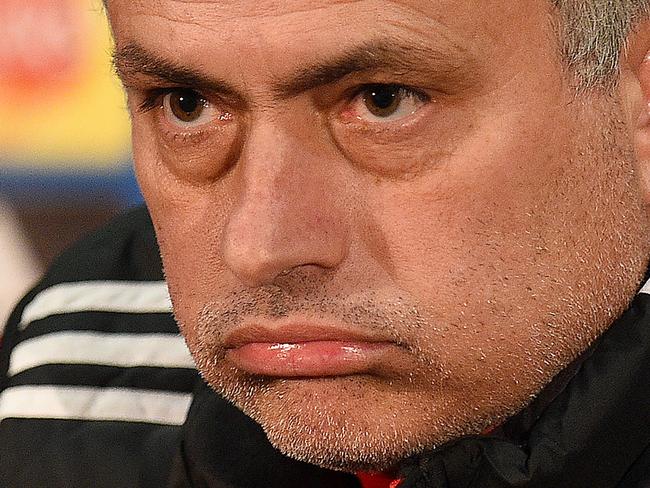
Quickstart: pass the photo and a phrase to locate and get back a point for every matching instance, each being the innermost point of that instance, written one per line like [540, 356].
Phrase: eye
[187, 108]
[385, 103]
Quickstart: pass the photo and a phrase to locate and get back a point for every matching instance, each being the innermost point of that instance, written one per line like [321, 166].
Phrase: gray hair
[593, 36]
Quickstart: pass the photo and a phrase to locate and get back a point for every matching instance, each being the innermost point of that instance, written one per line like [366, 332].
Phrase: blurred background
[65, 165]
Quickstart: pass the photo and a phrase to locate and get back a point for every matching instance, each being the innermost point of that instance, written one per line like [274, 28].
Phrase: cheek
[188, 221]
[483, 208]
[191, 266]
[461, 226]
[469, 242]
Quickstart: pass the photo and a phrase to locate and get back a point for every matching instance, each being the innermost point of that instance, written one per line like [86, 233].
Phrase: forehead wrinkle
[188, 10]
[267, 9]
[192, 19]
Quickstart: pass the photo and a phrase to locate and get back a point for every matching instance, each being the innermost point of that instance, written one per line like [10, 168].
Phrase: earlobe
[635, 94]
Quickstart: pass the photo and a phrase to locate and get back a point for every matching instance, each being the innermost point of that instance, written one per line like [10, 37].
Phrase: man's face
[384, 224]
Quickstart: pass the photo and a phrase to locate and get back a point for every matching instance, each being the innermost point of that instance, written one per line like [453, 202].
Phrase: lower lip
[307, 359]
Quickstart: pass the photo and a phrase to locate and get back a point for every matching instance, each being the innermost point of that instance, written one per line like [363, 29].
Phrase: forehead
[494, 19]
[236, 35]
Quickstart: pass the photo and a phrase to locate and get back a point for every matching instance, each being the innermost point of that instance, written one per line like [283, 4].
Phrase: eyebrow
[385, 55]
[380, 55]
[134, 60]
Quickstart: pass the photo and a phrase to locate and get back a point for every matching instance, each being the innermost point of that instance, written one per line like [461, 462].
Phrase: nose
[289, 210]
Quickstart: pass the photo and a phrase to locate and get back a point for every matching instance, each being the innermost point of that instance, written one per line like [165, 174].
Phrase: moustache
[381, 313]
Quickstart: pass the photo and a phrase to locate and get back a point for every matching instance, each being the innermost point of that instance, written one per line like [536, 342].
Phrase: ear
[634, 90]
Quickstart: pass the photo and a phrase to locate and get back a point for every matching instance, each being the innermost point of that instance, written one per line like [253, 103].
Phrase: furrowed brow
[133, 61]
[383, 55]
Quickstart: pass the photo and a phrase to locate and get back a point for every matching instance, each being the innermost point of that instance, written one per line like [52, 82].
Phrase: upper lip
[296, 332]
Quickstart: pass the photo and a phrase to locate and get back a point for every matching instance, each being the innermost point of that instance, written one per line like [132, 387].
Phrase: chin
[348, 424]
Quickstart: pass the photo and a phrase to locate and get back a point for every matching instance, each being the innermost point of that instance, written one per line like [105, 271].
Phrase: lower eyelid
[175, 136]
[391, 130]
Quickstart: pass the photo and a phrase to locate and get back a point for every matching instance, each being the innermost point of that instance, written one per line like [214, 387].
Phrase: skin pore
[417, 172]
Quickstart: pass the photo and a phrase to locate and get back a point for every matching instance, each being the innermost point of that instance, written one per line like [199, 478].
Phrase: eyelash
[403, 90]
[153, 98]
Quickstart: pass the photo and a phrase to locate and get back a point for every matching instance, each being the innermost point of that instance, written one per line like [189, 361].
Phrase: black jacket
[590, 428]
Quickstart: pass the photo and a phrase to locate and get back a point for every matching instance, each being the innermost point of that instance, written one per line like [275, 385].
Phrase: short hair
[593, 36]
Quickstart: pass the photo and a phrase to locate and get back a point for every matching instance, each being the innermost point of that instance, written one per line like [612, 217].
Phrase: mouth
[304, 350]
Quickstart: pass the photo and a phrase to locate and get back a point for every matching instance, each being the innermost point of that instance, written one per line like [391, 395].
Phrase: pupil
[383, 97]
[188, 102]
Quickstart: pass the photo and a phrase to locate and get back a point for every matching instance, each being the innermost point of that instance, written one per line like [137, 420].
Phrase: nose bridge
[287, 213]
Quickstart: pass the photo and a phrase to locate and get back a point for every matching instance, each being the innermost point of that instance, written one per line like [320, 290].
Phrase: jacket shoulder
[95, 380]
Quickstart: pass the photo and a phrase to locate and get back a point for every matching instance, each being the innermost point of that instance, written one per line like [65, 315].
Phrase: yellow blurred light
[60, 103]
